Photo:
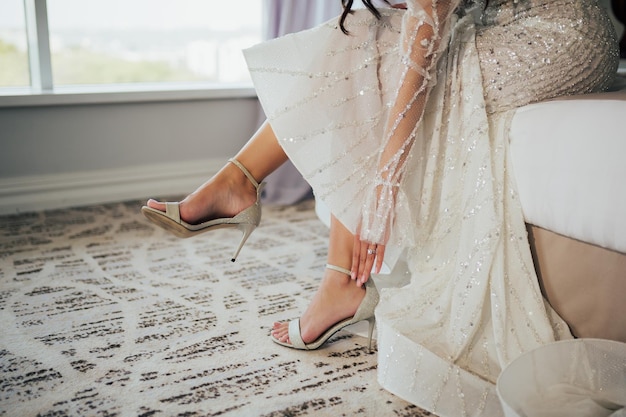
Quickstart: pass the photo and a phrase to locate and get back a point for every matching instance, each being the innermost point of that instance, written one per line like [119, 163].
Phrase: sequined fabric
[534, 50]
[401, 129]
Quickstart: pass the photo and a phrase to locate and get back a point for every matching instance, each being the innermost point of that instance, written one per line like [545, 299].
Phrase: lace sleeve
[425, 30]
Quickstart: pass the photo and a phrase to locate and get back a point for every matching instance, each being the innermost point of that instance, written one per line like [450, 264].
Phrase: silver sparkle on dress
[401, 128]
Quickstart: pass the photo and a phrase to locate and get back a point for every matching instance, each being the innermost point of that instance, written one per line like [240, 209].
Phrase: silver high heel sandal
[246, 221]
[364, 312]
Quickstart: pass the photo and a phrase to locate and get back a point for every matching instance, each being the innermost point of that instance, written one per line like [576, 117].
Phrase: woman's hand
[366, 255]
[368, 252]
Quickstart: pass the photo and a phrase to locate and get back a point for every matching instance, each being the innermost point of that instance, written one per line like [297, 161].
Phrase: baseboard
[46, 192]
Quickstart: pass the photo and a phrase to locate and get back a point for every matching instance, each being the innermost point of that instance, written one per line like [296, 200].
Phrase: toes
[280, 326]
[280, 332]
[155, 205]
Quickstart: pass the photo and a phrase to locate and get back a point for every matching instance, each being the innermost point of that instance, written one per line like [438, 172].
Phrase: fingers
[356, 257]
[364, 257]
[360, 258]
[370, 257]
[360, 262]
[380, 255]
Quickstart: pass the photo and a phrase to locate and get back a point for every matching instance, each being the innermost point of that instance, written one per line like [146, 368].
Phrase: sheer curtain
[286, 185]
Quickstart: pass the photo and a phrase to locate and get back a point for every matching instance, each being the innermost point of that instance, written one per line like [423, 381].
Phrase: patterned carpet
[105, 315]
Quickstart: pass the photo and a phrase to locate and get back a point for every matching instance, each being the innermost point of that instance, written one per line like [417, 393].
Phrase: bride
[398, 118]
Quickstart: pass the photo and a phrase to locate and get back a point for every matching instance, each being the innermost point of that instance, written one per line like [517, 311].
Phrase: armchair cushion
[569, 162]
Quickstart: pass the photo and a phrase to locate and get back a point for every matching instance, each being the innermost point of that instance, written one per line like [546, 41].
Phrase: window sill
[136, 93]
[126, 93]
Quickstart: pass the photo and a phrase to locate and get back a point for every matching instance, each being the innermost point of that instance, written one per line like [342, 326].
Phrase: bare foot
[224, 195]
[336, 299]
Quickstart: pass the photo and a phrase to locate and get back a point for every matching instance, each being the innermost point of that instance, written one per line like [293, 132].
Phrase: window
[104, 42]
[13, 45]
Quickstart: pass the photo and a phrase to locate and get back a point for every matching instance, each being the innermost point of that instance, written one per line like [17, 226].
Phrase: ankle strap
[339, 269]
[245, 172]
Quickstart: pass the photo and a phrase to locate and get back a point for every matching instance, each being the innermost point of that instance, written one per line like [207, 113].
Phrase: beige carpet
[103, 314]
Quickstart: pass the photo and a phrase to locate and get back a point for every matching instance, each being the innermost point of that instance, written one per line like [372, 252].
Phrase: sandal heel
[246, 229]
[372, 324]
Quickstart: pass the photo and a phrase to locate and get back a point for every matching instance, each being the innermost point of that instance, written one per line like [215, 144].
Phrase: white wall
[61, 155]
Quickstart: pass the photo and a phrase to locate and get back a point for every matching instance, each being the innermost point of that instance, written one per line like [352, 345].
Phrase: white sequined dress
[404, 122]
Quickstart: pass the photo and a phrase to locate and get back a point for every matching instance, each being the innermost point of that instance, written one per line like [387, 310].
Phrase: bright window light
[151, 41]
[13, 45]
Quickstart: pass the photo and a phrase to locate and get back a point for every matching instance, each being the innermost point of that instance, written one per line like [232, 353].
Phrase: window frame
[43, 92]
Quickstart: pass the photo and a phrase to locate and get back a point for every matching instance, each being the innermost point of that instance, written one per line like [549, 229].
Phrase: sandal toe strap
[294, 335]
[172, 210]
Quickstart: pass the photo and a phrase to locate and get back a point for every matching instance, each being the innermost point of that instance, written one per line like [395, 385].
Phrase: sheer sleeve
[425, 30]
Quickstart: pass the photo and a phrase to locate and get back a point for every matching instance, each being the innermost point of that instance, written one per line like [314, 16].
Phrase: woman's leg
[229, 191]
[336, 299]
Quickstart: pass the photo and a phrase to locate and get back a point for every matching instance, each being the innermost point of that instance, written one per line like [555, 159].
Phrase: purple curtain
[286, 185]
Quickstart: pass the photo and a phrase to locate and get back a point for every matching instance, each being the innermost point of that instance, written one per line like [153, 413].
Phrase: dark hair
[347, 9]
